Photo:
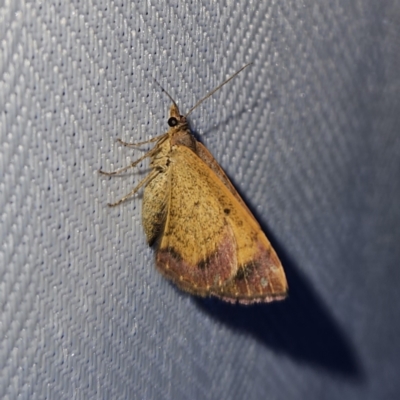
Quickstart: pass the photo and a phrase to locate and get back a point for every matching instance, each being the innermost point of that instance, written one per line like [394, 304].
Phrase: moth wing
[264, 274]
[260, 280]
[211, 243]
[197, 248]
[154, 207]
[209, 159]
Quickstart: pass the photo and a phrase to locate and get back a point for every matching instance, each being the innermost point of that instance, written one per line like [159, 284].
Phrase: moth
[207, 240]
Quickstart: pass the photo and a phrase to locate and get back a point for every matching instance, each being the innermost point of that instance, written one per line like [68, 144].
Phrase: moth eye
[172, 121]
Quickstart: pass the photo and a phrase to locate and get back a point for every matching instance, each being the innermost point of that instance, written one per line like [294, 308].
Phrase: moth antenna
[170, 97]
[214, 90]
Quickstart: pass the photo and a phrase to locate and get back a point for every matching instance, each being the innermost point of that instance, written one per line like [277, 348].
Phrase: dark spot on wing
[174, 254]
[203, 264]
[240, 275]
[245, 270]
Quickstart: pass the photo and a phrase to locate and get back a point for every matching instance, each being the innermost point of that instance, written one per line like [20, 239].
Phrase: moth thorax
[183, 137]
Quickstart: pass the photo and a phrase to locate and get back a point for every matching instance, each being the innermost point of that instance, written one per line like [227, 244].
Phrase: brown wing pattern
[211, 243]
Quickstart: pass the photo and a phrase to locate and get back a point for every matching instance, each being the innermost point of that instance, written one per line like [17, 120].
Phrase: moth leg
[143, 182]
[132, 165]
[160, 139]
[127, 144]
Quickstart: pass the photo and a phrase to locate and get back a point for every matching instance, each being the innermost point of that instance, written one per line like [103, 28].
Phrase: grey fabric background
[309, 134]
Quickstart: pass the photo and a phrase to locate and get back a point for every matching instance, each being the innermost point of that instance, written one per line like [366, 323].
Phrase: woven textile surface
[310, 136]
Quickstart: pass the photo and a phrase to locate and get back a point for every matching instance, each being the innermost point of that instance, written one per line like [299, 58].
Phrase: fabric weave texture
[309, 135]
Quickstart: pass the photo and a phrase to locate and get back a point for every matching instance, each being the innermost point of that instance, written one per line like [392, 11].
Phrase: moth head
[175, 118]
[179, 132]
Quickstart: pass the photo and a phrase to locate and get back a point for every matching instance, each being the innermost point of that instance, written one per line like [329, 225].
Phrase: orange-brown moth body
[208, 242]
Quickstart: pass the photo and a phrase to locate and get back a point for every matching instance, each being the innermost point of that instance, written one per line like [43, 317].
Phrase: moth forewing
[211, 244]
